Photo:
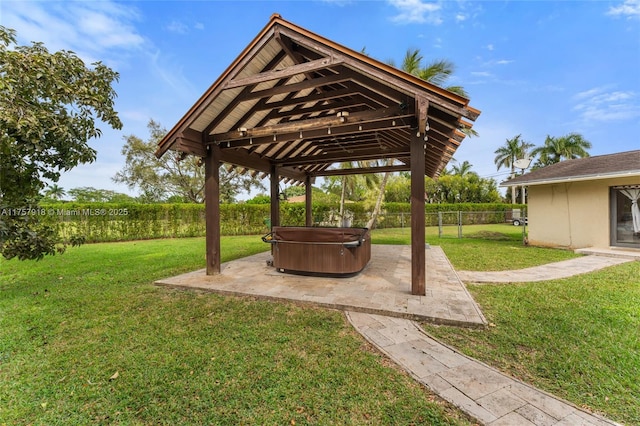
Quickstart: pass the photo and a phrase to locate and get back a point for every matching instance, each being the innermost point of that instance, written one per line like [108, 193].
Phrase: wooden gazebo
[294, 105]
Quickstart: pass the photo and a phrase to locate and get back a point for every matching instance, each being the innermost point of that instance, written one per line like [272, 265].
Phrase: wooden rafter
[278, 74]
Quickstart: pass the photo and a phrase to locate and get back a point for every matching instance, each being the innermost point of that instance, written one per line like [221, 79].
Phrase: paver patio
[383, 287]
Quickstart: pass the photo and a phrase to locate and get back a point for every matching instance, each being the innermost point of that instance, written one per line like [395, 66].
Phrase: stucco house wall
[572, 214]
[572, 203]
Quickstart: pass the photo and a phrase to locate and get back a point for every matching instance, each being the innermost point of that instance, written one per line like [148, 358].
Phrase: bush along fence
[103, 222]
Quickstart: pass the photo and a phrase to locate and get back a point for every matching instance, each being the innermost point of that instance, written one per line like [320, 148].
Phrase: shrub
[102, 222]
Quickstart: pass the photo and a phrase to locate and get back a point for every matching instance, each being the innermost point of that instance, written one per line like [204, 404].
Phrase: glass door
[625, 216]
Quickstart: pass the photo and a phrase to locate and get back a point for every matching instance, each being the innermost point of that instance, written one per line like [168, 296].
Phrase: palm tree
[55, 192]
[378, 206]
[463, 169]
[437, 72]
[513, 149]
[350, 184]
[562, 148]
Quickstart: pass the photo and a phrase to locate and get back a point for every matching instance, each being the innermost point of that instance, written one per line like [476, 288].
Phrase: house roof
[304, 103]
[590, 168]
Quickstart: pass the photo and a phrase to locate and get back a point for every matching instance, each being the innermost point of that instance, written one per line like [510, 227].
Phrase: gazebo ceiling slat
[278, 74]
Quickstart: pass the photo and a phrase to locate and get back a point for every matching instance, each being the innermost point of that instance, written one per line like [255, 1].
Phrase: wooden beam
[362, 171]
[295, 87]
[418, 265]
[283, 131]
[287, 46]
[190, 147]
[422, 107]
[321, 108]
[311, 98]
[212, 210]
[403, 86]
[352, 88]
[283, 73]
[371, 154]
[241, 157]
[274, 129]
[321, 134]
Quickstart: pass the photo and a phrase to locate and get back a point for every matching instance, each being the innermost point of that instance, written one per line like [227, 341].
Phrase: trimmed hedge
[102, 222]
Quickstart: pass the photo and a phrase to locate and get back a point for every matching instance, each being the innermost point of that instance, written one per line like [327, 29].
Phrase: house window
[625, 216]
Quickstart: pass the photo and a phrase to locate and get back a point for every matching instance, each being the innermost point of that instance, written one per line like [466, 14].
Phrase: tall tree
[506, 156]
[436, 72]
[49, 106]
[556, 149]
[462, 169]
[55, 192]
[171, 175]
[89, 194]
[462, 189]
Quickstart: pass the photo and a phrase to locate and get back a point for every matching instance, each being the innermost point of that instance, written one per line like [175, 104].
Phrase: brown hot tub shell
[318, 250]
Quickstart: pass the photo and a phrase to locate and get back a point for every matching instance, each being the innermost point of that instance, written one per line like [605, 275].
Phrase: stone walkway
[482, 392]
[551, 271]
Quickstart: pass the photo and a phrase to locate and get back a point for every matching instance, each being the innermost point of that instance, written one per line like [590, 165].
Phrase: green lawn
[85, 338]
[69, 323]
[492, 247]
[578, 338]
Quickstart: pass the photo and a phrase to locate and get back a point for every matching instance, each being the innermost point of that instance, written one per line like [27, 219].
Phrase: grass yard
[85, 338]
[578, 338]
[493, 247]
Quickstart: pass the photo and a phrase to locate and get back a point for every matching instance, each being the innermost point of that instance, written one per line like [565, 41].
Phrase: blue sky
[534, 68]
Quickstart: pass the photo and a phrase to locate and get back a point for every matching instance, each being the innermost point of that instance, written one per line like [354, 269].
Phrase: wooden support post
[212, 209]
[307, 200]
[275, 196]
[418, 266]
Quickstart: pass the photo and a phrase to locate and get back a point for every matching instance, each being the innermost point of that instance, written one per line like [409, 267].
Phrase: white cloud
[177, 27]
[180, 27]
[490, 47]
[93, 30]
[481, 74]
[494, 62]
[100, 30]
[460, 17]
[589, 93]
[629, 8]
[340, 3]
[600, 104]
[170, 76]
[416, 12]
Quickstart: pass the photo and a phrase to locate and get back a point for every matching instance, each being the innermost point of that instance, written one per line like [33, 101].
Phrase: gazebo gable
[300, 101]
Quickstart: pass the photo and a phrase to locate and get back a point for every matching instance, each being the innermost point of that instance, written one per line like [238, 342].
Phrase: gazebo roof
[305, 104]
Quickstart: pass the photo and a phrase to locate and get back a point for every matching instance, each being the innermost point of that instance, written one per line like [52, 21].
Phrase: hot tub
[318, 250]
